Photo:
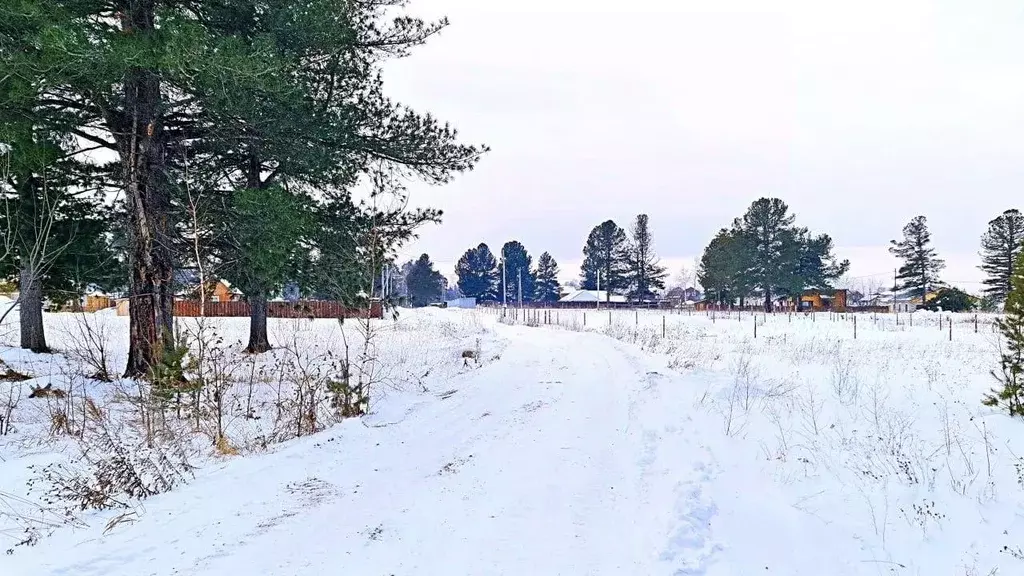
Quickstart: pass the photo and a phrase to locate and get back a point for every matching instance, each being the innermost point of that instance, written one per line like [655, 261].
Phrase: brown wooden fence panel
[301, 309]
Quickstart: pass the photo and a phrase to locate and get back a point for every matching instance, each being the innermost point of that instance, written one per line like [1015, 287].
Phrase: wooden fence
[576, 305]
[301, 309]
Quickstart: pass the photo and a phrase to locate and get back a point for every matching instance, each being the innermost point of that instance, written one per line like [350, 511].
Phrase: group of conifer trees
[226, 138]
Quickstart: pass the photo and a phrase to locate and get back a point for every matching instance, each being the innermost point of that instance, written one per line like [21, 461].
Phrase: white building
[461, 303]
[594, 296]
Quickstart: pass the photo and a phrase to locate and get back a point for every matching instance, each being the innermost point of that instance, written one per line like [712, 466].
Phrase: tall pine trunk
[142, 149]
[258, 340]
[32, 217]
[30, 308]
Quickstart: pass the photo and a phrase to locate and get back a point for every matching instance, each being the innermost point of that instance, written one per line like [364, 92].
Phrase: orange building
[823, 300]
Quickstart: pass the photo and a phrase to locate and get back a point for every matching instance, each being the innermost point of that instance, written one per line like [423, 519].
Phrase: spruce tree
[606, 255]
[1000, 246]
[477, 272]
[919, 273]
[645, 273]
[547, 285]
[1010, 396]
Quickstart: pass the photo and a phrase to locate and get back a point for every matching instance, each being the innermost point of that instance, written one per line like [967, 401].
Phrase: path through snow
[569, 455]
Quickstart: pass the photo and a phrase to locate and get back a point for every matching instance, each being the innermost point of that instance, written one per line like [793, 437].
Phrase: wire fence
[947, 325]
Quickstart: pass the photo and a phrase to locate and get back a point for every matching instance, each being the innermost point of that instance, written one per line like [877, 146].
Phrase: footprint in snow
[690, 548]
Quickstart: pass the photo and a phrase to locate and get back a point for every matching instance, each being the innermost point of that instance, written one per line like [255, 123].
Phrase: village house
[823, 300]
[594, 296]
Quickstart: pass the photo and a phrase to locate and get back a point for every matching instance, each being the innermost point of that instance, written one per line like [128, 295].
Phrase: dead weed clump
[8, 374]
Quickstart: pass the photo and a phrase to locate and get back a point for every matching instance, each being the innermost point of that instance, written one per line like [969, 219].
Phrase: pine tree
[919, 273]
[606, 254]
[952, 300]
[425, 285]
[55, 228]
[816, 265]
[1010, 396]
[547, 286]
[263, 250]
[722, 270]
[322, 119]
[517, 267]
[334, 267]
[240, 94]
[645, 273]
[477, 272]
[1000, 246]
[774, 247]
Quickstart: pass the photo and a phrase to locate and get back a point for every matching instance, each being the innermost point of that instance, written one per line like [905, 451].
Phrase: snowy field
[573, 443]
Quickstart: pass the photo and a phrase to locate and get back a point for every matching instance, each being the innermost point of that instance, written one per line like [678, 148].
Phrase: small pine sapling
[1010, 396]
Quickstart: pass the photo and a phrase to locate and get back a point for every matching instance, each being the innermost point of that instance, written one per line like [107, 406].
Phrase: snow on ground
[624, 443]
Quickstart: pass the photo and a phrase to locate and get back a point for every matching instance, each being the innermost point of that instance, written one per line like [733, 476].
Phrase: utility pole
[520, 272]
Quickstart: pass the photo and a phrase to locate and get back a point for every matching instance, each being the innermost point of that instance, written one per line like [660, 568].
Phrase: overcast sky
[860, 115]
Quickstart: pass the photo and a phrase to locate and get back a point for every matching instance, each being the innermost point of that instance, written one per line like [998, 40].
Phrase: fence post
[584, 318]
[854, 327]
[755, 325]
[662, 325]
[636, 313]
[950, 328]
[975, 323]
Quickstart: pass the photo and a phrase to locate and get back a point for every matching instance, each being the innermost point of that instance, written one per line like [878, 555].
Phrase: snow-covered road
[545, 461]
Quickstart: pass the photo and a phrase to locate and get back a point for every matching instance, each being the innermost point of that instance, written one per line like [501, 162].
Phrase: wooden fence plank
[301, 309]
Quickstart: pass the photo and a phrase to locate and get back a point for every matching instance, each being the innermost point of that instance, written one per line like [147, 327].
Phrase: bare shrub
[210, 371]
[744, 381]
[305, 378]
[810, 409]
[8, 403]
[90, 345]
[845, 384]
[118, 464]
[31, 521]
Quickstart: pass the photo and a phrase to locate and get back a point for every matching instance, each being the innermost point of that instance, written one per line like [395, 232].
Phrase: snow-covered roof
[592, 296]
[230, 288]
